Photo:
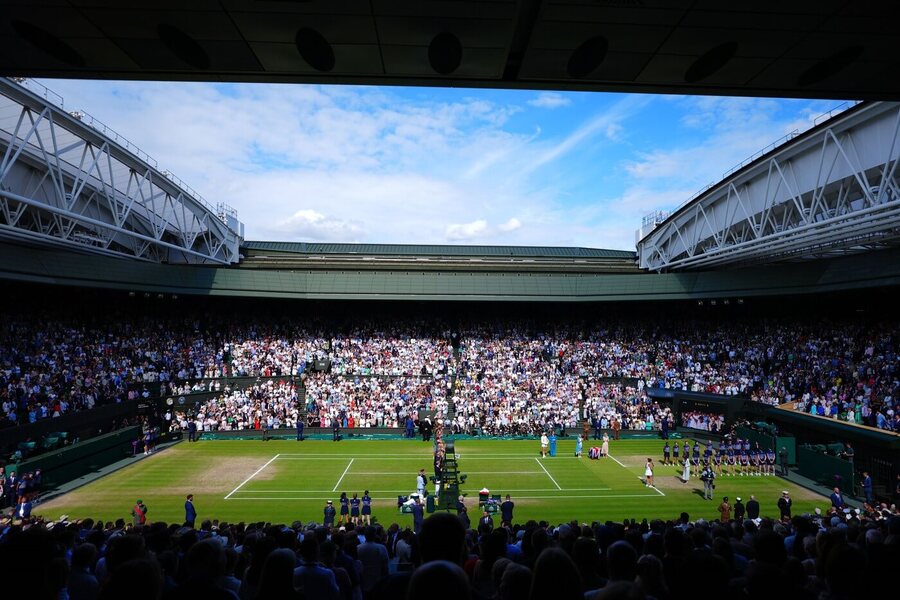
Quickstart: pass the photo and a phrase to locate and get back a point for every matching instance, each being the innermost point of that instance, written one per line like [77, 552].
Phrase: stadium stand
[540, 377]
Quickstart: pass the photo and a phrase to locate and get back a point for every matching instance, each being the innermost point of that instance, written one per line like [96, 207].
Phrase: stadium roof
[827, 49]
[64, 267]
[437, 250]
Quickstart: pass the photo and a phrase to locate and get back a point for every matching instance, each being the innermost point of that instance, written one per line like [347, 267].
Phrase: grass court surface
[284, 481]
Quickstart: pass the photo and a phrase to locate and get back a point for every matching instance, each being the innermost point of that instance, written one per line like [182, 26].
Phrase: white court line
[551, 490]
[416, 458]
[517, 497]
[548, 473]
[466, 473]
[251, 477]
[479, 456]
[617, 462]
[332, 457]
[652, 487]
[342, 476]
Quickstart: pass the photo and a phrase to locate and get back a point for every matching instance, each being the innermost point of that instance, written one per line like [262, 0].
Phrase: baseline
[566, 497]
[551, 490]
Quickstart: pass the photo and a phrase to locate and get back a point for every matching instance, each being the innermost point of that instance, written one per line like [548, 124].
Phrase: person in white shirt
[420, 483]
[544, 443]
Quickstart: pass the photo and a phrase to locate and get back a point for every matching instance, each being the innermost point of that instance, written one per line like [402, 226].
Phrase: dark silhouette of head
[439, 580]
[442, 538]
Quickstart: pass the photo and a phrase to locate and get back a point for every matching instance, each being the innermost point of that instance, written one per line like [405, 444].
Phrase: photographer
[708, 476]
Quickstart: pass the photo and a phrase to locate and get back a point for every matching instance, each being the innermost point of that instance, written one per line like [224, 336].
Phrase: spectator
[276, 581]
[555, 576]
[374, 559]
[312, 579]
[83, 584]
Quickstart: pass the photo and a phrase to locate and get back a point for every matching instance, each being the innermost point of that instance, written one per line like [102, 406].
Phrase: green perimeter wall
[823, 468]
[69, 463]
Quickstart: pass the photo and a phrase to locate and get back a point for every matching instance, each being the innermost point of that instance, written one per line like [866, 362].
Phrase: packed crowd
[513, 386]
[372, 401]
[510, 376]
[268, 405]
[706, 421]
[831, 555]
[362, 401]
[852, 409]
[628, 406]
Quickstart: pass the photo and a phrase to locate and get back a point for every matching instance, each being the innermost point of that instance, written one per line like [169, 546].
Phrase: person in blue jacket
[345, 508]
[354, 509]
[418, 512]
[367, 508]
[190, 513]
[867, 487]
[330, 513]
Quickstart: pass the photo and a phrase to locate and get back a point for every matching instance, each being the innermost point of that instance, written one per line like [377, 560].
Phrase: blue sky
[431, 165]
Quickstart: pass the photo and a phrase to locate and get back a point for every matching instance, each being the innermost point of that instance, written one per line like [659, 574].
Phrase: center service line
[258, 471]
[548, 474]
[342, 475]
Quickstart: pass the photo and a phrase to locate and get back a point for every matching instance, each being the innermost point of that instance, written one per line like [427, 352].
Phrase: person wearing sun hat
[784, 505]
[739, 510]
[330, 514]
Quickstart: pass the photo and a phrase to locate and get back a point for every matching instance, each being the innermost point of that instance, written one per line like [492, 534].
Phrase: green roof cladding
[437, 250]
[65, 267]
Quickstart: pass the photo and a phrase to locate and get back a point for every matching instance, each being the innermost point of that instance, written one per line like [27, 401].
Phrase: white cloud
[510, 225]
[308, 224]
[549, 100]
[457, 232]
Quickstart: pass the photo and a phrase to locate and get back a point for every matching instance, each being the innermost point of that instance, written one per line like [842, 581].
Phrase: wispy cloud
[607, 122]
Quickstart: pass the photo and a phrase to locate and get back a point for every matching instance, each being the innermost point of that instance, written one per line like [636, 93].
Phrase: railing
[41, 90]
[835, 111]
[843, 106]
[654, 218]
[759, 153]
[97, 125]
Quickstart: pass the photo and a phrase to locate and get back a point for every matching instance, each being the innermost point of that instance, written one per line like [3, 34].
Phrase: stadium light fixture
[710, 62]
[445, 53]
[587, 57]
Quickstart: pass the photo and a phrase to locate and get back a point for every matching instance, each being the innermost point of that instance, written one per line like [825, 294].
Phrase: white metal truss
[832, 190]
[64, 181]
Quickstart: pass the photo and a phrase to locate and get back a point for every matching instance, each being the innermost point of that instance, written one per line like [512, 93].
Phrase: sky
[434, 165]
